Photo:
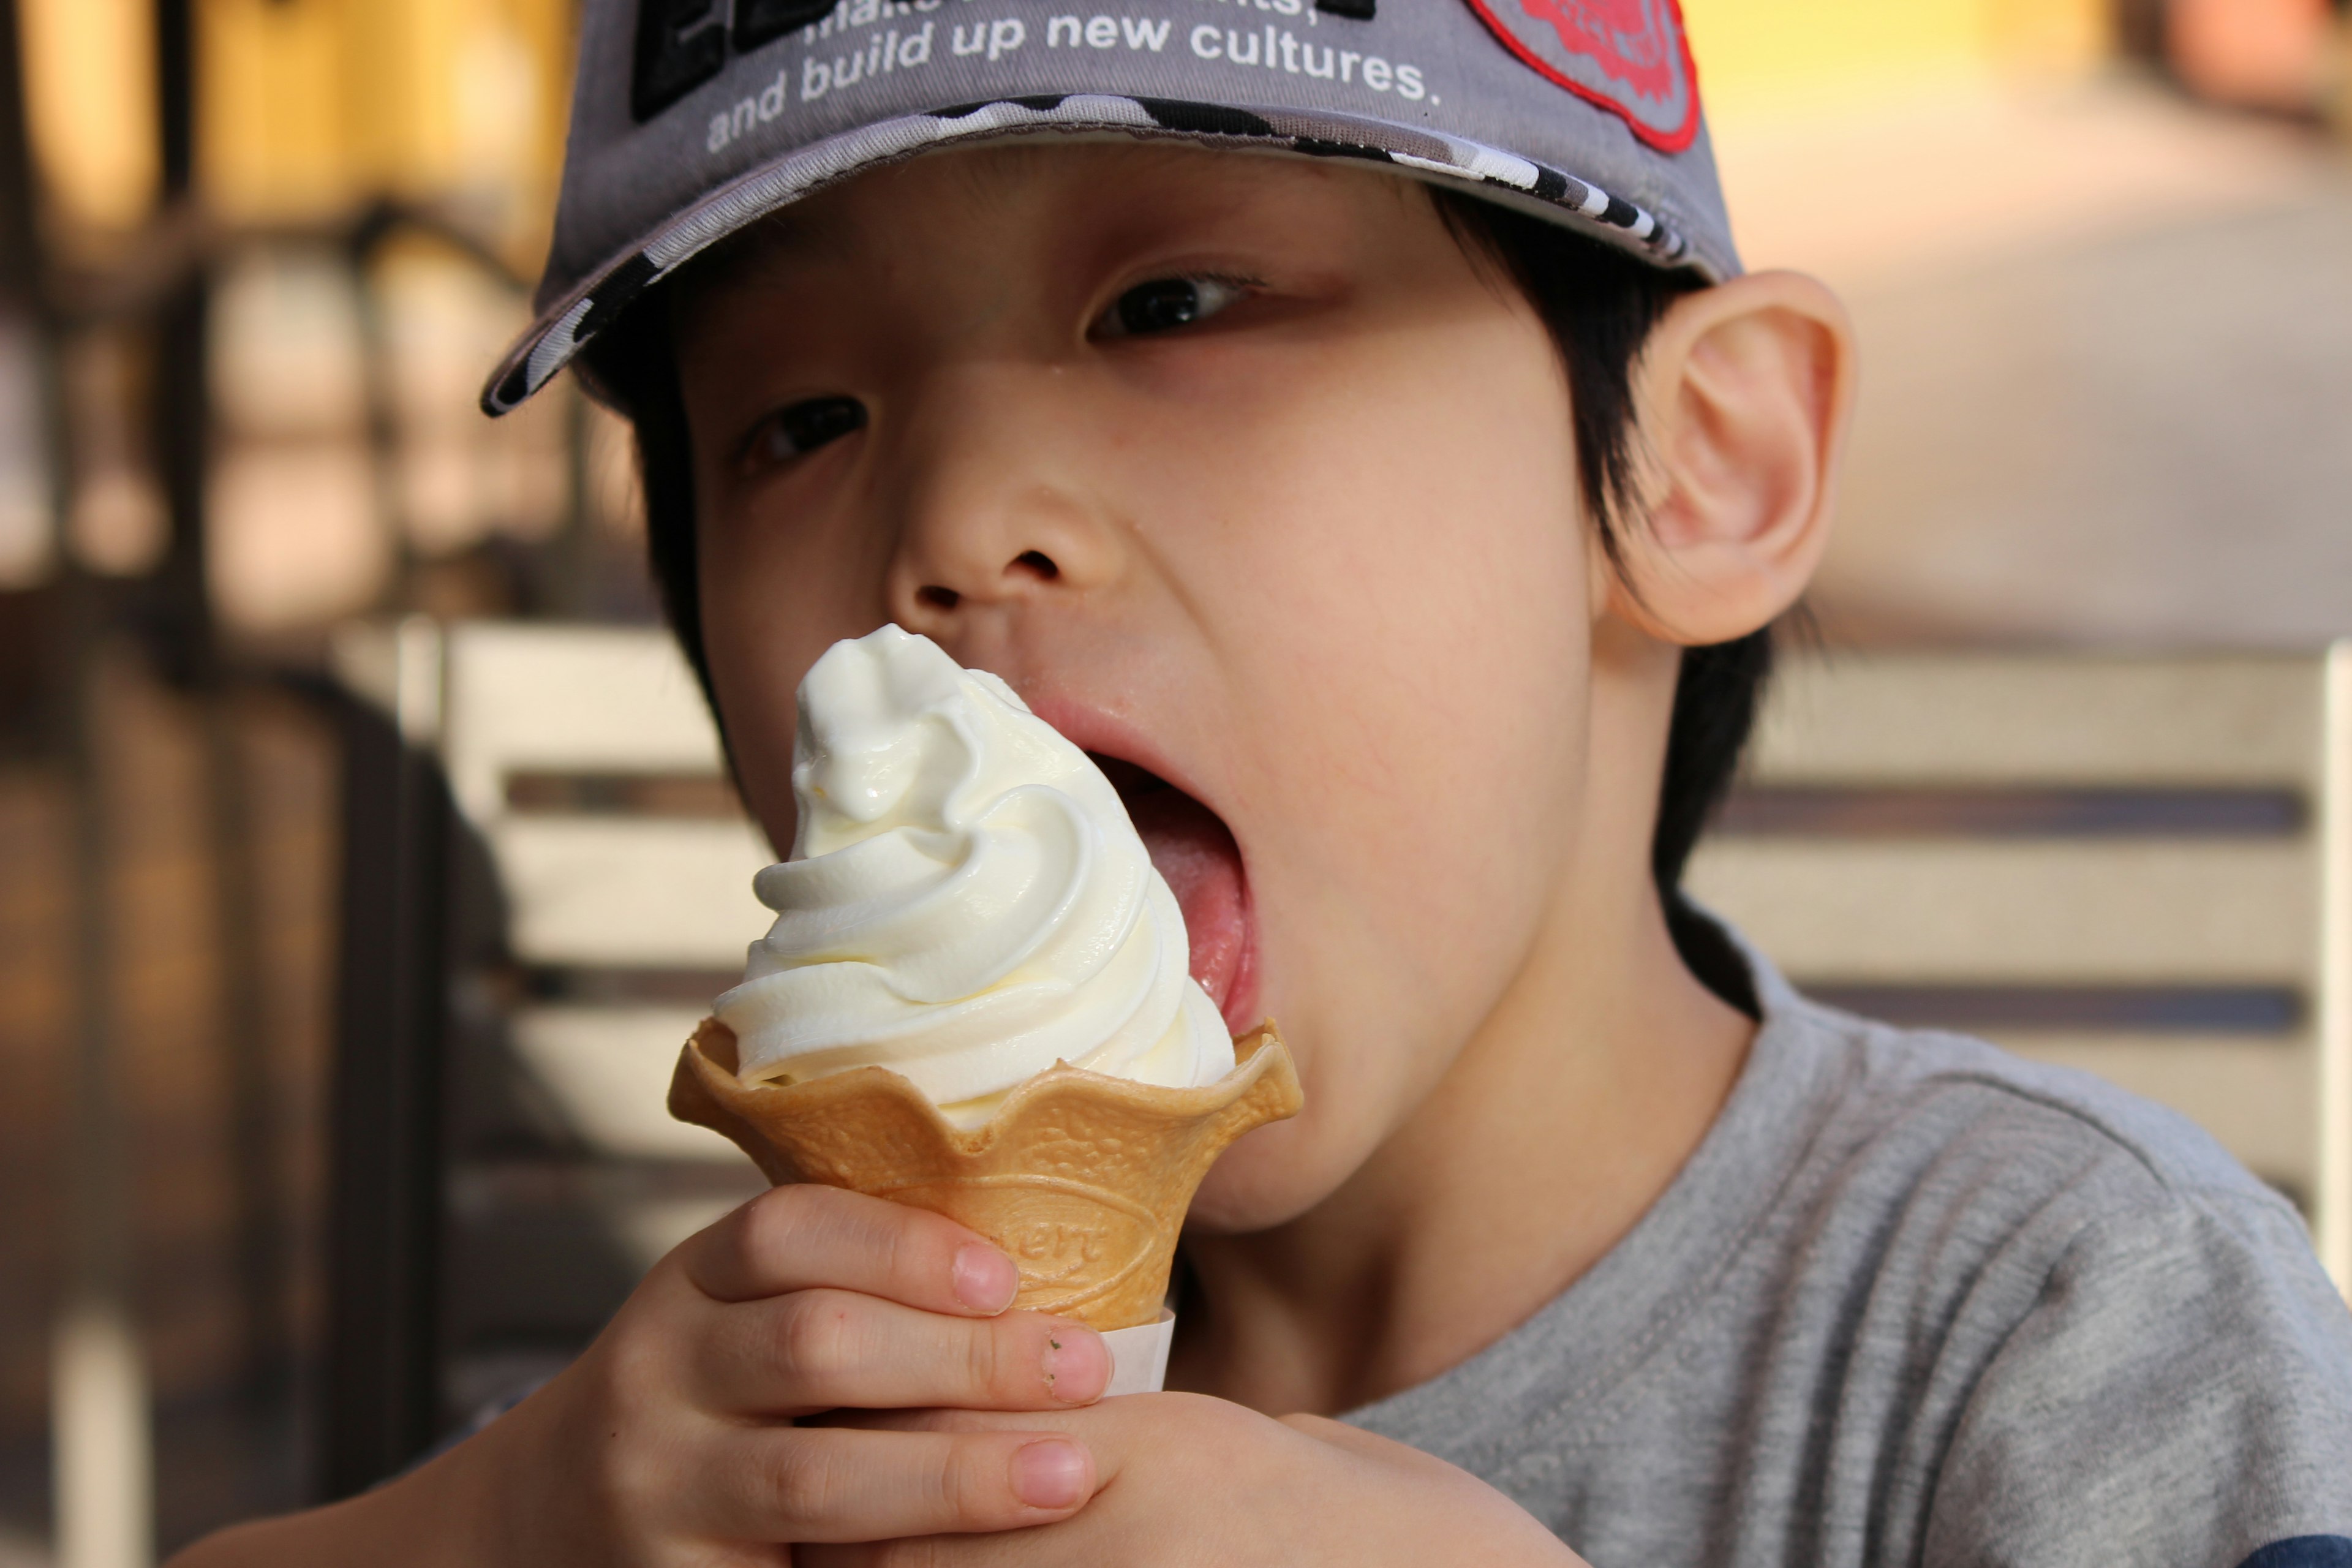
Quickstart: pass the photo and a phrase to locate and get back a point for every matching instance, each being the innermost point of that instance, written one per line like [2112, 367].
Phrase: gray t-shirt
[1915, 1300]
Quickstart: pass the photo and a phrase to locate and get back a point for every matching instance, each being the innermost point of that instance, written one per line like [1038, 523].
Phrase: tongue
[1196, 853]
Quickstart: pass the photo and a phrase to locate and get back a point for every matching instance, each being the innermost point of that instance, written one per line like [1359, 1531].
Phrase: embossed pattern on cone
[1083, 1179]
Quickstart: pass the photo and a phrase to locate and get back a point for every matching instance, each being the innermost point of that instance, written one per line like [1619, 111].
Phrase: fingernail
[1051, 1474]
[985, 1280]
[1078, 1363]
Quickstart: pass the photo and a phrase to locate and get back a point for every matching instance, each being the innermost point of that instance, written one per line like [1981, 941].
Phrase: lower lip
[1240, 1005]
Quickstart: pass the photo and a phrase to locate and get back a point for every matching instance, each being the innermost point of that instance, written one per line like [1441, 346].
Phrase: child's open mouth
[1193, 849]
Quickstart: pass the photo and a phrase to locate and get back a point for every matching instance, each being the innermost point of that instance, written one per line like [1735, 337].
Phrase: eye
[1166, 304]
[796, 431]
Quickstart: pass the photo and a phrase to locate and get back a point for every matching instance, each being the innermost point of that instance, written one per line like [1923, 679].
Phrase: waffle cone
[1082, 1179]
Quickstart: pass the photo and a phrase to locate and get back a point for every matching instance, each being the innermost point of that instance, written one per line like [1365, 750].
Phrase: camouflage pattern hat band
[693, 118]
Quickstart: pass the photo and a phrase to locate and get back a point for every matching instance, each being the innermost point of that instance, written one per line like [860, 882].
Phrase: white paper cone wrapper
[1138, 1356]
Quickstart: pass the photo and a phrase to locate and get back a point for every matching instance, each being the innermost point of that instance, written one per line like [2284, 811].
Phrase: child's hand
[669, 1440]
[1192, 1482]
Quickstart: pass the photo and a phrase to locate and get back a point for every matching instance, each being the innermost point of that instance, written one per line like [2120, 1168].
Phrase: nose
[1001, 502]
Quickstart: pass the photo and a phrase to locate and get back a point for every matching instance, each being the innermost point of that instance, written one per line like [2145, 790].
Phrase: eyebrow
[768, 244]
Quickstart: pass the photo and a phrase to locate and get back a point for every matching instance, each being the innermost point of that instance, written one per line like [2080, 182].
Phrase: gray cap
[693, 118]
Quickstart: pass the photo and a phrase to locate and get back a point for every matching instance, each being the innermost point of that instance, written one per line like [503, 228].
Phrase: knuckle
[622, 1476]
[635, 1483]
[816, 1336]
[903, 1248]
[771, 1219]
[631, 1373]
[818, 1222]
[803, 1485]
[970, 1483]
[985, 1360]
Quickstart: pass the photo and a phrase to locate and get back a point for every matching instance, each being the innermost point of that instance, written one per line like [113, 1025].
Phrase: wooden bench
[2138, 866]
[586, 891]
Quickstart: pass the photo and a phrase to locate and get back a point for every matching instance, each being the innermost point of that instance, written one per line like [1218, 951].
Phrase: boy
[1401, 518]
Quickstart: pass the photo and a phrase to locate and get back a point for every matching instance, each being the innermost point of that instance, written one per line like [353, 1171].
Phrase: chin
[1271, 1177]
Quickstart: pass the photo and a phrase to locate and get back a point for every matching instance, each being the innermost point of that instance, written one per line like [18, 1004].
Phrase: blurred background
[257, 255]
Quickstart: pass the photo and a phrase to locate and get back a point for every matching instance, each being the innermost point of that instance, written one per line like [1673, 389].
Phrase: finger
[926, 1551]
[800, 1484]
[797, 1237]
[941, 1419]
[1002, 1550]
[820, 1349]
[1104, 1428]
[1115, 1431]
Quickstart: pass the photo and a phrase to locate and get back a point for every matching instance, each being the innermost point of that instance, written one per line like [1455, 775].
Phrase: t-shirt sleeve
[2181, 1393]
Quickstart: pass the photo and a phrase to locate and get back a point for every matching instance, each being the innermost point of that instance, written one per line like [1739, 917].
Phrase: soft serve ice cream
[966, 902]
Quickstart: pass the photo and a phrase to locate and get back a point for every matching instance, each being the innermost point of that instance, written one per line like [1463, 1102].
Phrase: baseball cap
[692, 119]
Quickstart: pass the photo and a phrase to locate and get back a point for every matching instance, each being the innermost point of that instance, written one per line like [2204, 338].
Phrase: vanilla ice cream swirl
[966, 902]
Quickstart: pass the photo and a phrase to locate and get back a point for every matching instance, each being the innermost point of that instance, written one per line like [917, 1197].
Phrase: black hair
[1600, 304]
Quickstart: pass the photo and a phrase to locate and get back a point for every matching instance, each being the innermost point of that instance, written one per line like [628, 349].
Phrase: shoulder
[1972, 1122]
[2000, 1196]
[2113, 1308]
[2030, 1185]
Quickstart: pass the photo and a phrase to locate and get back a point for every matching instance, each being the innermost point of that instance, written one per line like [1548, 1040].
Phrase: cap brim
[567, 325]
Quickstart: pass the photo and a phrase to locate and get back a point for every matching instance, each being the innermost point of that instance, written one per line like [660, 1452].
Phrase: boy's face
[1250, 480]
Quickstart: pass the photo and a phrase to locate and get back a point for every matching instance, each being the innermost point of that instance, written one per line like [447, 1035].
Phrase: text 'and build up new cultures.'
[902, 36]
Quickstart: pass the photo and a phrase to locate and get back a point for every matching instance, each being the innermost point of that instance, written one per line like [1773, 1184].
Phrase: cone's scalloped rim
[707, 1060]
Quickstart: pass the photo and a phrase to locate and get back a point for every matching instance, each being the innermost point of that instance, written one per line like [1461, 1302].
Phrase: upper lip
[1105, 734]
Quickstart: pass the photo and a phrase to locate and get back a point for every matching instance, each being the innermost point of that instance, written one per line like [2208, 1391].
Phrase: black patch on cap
[512, 390]
[1315, 148]
[1202, 119]
[759, 21]
[1362, 10]
[682, 44]
[1550, 184]
[611, 296]
[1622, 213]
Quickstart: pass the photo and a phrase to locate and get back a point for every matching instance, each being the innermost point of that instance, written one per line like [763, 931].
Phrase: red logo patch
[1631, 57]
[1623, 36]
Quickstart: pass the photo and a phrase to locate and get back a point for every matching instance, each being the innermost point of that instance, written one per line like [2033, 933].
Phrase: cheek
[773, 598]
[1412, 711]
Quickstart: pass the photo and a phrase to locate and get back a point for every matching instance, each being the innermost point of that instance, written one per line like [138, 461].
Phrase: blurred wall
[89, 72]
[2092, 410]
[351, 470]
[306, 107]
[373, 187]
[1772, 52]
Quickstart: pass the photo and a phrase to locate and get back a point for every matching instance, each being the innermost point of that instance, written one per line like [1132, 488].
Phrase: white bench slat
[578, 698]
[2025, 912]
[608, 1070]
[600, 890]
[636, 892]
[2003, 719]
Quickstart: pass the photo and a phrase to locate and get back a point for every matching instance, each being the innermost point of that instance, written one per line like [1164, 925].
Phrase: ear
[1744, 392]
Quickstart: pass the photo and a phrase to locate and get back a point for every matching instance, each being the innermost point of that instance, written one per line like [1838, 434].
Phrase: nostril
[1038, 561]
[940, 599]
